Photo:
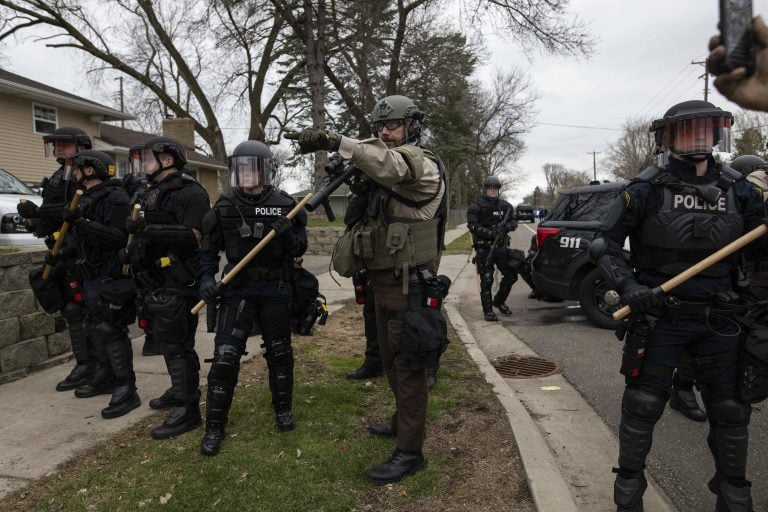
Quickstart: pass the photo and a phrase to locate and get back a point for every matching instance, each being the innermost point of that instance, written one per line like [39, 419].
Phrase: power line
[579, 126]
[662, 89]
[705, 76]
[664, 99]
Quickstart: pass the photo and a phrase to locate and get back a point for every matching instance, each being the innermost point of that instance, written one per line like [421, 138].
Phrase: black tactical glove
[485, 232]
[51, 259]
[315, 139]
[639, 297]
[135, 227]
[27, 209]
[122, 257]
[72, 216]
[281, 225]
[511, 225]
[209, 288]
[137, 252]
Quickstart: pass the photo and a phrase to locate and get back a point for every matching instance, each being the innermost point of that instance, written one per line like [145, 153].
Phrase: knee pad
[225, 365]
[279, 353]
[643, 404]
[103, 332]
[486, 279]
[729, 411]
[72, 312]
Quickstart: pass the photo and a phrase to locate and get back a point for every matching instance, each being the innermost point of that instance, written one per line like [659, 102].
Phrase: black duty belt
[263, 274]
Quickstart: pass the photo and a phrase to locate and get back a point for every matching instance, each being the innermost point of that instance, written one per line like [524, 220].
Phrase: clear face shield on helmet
[491, 191]
[250, 171]
[135, 166]
[148, 162]
[698, 136]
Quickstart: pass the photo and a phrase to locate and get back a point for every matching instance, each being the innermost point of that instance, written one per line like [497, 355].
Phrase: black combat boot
[82, 373]
[186, 415]
[400, 464]
[503, 308]
[684, 400]
[124, 397]
[731, 498]
[102, 382]
[281, 386]
[210, 444]
[628, 492]
[365, 372]
[485, 298]
[218, 402]
[164, 401]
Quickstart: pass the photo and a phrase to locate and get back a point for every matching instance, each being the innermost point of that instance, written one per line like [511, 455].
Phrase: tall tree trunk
[314, 26]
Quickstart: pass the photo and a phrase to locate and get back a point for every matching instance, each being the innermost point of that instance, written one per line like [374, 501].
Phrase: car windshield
[587, 206]
[9, 184]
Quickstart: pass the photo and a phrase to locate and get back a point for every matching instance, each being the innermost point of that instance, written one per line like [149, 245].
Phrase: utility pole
[705, 76]
[122, 100]
[594, 162]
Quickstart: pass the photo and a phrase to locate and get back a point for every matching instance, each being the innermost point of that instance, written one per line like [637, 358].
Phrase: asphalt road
[680, 460]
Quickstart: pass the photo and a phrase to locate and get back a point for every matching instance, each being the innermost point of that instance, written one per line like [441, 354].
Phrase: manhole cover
[524, 367]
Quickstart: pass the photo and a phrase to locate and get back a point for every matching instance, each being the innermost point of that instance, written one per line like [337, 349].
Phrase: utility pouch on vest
[48, 292]
[634, 348]
[118, 300]
[344, 259]
[364, 242]
[398, 244]
[168, 311]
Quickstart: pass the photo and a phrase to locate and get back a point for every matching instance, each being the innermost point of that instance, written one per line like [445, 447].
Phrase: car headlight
[12, 223]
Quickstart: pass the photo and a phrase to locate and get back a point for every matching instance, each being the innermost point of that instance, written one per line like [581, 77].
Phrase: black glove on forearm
[27, 209]
[135, 227]
[639, 297]
[209, 288]
[282, 226]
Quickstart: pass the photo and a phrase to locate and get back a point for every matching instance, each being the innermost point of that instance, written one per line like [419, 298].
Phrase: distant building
[30, 109]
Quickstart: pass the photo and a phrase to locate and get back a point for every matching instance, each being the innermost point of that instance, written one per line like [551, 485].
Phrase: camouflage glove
[315, 139]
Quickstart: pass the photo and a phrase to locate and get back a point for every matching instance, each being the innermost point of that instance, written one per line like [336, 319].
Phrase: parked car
[525, 212]
[12, 229]
[561, 268]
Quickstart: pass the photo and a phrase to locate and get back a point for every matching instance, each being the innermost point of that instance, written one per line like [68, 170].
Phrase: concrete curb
[548, 488]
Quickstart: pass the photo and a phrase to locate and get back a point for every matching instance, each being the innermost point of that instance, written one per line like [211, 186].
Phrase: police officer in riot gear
[99, 227]
[675, 215]
[261, 291]
[401, 235]
[163, 259]
[485, 219]
[58, 190]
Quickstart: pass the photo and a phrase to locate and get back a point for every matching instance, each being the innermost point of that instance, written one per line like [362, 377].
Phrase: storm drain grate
[524, 367]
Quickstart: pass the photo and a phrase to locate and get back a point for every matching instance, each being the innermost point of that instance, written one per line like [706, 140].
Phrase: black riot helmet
[71, 134]
[251, 164]
[395, 111]
[491, 183]
[102, 164]
[154, 147]
[692, 129]
[745, 164]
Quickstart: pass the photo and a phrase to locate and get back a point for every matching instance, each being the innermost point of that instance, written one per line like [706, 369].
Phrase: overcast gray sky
[641, 66]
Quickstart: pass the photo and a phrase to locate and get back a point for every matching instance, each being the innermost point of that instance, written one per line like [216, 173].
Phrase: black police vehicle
[561, 268]
[524, 212]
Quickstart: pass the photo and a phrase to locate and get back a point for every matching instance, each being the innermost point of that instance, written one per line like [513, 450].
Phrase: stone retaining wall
[322, 240]
[28, 337]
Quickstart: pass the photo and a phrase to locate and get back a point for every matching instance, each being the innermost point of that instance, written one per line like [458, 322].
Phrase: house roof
[17, 85]
[122, 139]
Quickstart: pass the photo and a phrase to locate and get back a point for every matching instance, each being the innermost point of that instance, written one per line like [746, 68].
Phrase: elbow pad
[616, 270]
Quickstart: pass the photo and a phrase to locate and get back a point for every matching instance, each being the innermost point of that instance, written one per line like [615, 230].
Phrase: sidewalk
[566, 450]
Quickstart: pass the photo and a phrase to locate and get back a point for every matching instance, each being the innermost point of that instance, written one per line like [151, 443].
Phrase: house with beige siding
[30, 109]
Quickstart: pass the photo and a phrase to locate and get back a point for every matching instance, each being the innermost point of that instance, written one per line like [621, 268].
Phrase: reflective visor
[699, 135]
[60, 148]
[250, 171]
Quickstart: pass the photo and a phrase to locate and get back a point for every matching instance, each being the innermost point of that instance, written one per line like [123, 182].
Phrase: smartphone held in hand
[736, 35]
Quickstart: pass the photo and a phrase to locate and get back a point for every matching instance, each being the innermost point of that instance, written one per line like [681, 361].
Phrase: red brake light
[544, 233]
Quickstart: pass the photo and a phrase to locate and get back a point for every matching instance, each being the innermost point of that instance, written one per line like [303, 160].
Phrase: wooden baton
[135, 212]
[62, 233]
[253, 252]
[701, 265]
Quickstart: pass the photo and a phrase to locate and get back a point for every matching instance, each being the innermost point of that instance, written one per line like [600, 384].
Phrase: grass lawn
[462, 245]
[473, 462]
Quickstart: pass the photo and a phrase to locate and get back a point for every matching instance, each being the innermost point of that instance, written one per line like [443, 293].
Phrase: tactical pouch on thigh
[344, 259]
[424, 337]
[753, 364]
[118, 299]
[516, 260]
[168, 311]
[48, 292]
[634, 347]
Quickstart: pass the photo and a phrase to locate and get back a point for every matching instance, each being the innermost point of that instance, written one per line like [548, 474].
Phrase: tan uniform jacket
[389, 168]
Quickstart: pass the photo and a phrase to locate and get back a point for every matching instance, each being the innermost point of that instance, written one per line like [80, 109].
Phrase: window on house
[45, 118]
[193, 172]
[123, 168]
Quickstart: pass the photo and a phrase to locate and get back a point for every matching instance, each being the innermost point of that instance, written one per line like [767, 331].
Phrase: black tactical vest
[91, 252]
[161, 205]
[57, 194]
[688, 228]
[490, 214]
[246, 220]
